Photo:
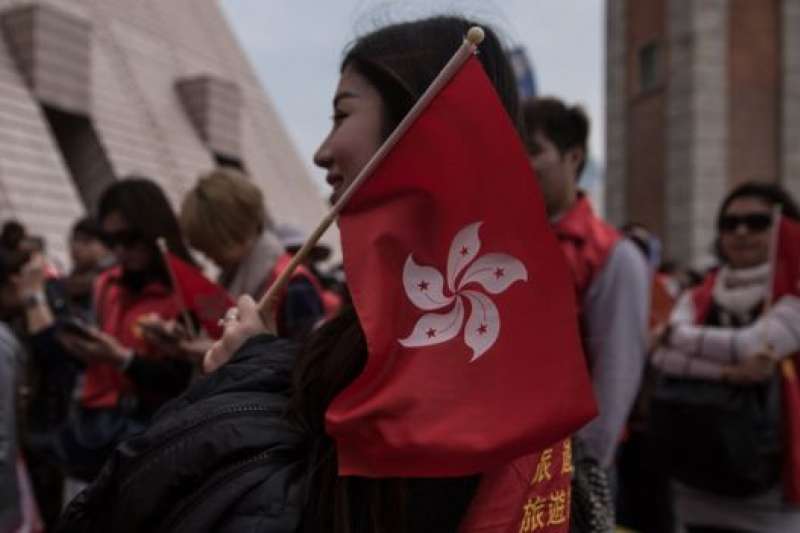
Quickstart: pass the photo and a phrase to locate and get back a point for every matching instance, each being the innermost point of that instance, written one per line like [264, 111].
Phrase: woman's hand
[170, 338]
[241, 323]
[96, 347]
[659, 336]
[31, 278]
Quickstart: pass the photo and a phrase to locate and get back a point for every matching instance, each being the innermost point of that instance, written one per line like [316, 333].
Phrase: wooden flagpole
[182, 309]
[474, 37]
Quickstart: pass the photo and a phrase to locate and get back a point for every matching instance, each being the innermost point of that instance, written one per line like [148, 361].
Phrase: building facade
[701, 96]
[95, 90]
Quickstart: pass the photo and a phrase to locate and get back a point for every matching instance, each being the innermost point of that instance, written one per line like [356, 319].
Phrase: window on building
[214, 106]
[649, 66]
[226, 161]
[83, 154]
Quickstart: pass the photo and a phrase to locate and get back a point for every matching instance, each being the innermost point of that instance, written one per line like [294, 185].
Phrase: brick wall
[35, 186]
[616, 111]
[754, 80]
[646, 136]
[790, 101]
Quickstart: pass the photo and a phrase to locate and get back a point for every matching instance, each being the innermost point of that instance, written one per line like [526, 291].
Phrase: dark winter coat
[222, 457]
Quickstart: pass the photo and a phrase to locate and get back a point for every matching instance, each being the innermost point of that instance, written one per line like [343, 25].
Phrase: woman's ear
[576, 157]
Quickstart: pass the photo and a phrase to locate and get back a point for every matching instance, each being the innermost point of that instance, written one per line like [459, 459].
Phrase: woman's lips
[334, 180]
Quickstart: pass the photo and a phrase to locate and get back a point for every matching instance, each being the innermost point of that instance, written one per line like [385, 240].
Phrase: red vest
[330, 307]
[702, 296]
[587, 242]
[118, 311]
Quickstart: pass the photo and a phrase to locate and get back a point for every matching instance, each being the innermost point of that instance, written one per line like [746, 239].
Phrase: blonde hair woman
[225, 218]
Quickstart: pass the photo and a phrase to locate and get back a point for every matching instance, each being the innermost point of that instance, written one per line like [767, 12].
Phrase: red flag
[532, 494]
[787, 270]
[465, 299]
[787, 281]
[207, 300]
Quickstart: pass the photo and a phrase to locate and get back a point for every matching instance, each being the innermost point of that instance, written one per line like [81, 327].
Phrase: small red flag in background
[465, 300]
[207, 300]
[787, 281]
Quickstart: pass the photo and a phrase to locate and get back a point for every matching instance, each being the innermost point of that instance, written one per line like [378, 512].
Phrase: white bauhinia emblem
[425, 287]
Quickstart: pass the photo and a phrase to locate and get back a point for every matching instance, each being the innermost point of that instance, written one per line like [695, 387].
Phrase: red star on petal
[423, 285]
[499, 273]
[464, 250]
[431, 333]
[483, 329]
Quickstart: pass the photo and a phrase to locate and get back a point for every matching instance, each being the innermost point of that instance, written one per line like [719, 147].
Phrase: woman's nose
[322, 157]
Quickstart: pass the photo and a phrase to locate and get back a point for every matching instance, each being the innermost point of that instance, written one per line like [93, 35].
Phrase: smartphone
[159, 333]
[76, 326]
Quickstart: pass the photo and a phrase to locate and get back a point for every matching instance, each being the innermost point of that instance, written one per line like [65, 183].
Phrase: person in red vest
[612, 281]
[126, 378]
[719, 339]
[329, 288]
[225, 218]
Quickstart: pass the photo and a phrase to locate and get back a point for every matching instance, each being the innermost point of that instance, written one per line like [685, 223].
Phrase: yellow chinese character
[566, 457]
[543, 468]
[533, 519]
[557, 507]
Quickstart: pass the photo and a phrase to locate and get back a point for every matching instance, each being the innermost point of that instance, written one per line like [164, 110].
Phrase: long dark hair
[145, 207]
[770, 193]
[401, 61]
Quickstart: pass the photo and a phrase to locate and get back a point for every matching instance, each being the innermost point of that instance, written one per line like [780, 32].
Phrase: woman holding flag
[718, 419]
[450, 420]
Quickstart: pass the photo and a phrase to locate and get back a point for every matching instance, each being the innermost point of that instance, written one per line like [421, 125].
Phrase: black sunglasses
[125, 238]
[754, 222]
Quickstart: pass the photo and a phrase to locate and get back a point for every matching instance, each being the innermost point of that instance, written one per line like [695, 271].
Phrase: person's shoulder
[625, 251]
[627, 260]
[601, 237]
[107, 279]
[109, 274]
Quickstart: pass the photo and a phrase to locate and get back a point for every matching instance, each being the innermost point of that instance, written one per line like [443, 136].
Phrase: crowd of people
[104, 402]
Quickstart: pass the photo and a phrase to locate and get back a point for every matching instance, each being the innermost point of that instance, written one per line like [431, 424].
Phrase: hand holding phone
[159, 331]
[77, 327]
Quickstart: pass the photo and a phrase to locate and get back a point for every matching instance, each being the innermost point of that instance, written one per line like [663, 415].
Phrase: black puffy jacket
[222, 457]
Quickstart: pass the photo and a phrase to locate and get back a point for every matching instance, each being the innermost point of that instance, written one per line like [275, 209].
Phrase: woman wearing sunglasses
[715, 416]
[126, 378]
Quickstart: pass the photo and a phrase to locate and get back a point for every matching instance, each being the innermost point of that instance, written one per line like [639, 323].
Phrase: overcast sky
[296, 45]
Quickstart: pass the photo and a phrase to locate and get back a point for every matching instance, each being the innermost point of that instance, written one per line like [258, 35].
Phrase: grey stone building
[701, 95]
[94, 90]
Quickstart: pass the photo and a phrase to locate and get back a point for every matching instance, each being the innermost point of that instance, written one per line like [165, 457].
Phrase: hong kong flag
[204, 298]
[465, 300]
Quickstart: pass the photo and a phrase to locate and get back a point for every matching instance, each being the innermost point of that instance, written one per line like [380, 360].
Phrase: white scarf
[739, 290]
[251, 274]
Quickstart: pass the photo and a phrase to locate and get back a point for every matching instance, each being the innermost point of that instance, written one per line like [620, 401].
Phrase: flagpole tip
[475, 35]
